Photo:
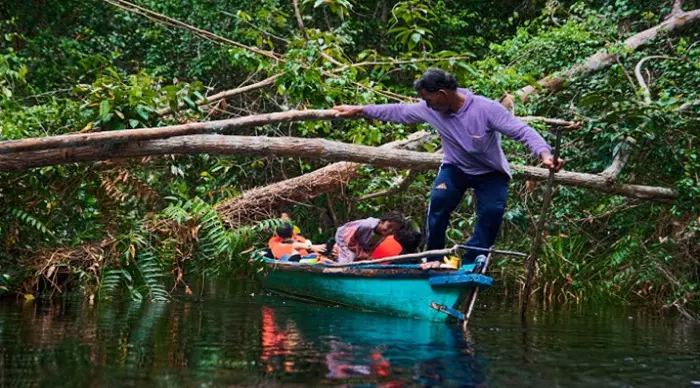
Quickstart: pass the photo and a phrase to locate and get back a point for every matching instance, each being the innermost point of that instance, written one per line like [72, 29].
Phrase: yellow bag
[451, 262]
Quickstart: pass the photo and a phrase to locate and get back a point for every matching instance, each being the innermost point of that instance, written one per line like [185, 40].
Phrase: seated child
[285, 216]
[405, 241]
[356, 240]
[287, 246]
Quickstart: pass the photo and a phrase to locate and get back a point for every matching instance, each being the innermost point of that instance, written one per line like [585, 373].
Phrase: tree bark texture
[217, 126]
[262, 146]
[131, 135]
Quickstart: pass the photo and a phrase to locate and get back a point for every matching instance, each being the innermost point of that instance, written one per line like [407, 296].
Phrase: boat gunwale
[369, 271]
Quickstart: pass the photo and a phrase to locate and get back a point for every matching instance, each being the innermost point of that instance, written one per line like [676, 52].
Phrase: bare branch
[386, 93]
[676, 9]
[262, 146]
[508, 101]
[130, 7]
[305, 187]
[300, 21]
[226, 94]
[638, 74]
[619, 160]
[132, 135]
[688, 105]
[562, 124]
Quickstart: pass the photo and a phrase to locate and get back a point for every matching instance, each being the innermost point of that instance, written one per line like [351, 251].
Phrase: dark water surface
[238, 336]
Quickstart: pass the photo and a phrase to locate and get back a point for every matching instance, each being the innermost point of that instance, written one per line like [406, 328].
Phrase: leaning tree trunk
[260, 202]
[604, 58]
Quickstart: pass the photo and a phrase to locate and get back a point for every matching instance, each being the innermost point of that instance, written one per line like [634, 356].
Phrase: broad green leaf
[105, 108]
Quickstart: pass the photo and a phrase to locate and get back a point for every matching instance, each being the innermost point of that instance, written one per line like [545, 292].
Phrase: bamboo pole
[420, 255]
[532, 260]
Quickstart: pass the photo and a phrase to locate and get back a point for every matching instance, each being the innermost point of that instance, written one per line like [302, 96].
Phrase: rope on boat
[420, 255]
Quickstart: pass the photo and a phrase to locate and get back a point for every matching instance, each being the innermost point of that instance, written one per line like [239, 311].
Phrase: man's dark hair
[435, 79]
[285, 231]
[409, 240]
[394, 217]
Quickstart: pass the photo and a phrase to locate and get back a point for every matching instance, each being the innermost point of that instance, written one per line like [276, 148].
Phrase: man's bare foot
[429, 265]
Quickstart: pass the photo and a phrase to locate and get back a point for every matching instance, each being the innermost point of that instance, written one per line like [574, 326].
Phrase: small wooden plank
[462, 280]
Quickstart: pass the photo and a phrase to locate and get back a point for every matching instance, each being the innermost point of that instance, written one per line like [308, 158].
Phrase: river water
[237, 335]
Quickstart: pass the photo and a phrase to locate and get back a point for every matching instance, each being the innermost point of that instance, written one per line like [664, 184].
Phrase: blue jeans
[491, 191]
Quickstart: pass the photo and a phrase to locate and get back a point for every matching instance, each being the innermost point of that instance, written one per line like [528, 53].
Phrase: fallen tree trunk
[604, 58]
[262, 146]
[132, 135]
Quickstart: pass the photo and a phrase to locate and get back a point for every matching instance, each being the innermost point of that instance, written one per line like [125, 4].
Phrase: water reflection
[359, 347]
[237, 335]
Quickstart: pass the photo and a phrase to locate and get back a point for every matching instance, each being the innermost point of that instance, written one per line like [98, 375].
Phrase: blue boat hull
[399, 290]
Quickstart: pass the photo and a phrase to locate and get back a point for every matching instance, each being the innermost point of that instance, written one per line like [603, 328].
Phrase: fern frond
[152, 276]
[112, 281]
[124, 186]
[31, 221]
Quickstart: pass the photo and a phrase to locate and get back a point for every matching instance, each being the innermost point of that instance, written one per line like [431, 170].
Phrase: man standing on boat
[470, 127]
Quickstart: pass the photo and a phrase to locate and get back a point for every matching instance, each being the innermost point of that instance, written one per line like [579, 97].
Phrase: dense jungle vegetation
[145, 226]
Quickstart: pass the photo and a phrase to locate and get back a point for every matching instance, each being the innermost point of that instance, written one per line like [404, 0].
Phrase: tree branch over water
[262, 146]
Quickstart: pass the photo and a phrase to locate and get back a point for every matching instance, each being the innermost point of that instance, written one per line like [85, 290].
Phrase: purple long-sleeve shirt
[471, 138]
[356, 239]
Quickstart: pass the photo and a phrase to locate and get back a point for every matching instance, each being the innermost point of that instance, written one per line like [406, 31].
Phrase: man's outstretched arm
[395, 113]
[503, 121]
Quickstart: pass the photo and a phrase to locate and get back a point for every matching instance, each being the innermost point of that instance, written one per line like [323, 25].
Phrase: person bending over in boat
[356, 240]
[470, 127]
[287, 246]
[404, 241]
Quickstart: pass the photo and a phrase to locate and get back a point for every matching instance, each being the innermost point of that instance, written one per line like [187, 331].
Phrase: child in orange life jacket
[287, 246]
[404, 241]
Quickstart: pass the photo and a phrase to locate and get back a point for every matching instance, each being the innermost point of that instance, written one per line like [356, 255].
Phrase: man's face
[386, 228]
[437, 101]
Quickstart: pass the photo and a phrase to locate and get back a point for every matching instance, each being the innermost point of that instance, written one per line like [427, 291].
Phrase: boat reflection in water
[366, 348]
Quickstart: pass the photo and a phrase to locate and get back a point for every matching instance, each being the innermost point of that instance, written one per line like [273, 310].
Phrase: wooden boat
[398, 289]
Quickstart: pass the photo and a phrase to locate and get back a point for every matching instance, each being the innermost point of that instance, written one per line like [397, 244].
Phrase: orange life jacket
[387, 248]
[280, 247]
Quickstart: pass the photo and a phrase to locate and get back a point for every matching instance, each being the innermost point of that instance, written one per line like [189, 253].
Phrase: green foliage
[338, 7]
[152, 277]
[116, 103]
[217, 248]
[112, 281]
[411, 19]
[31, 221]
